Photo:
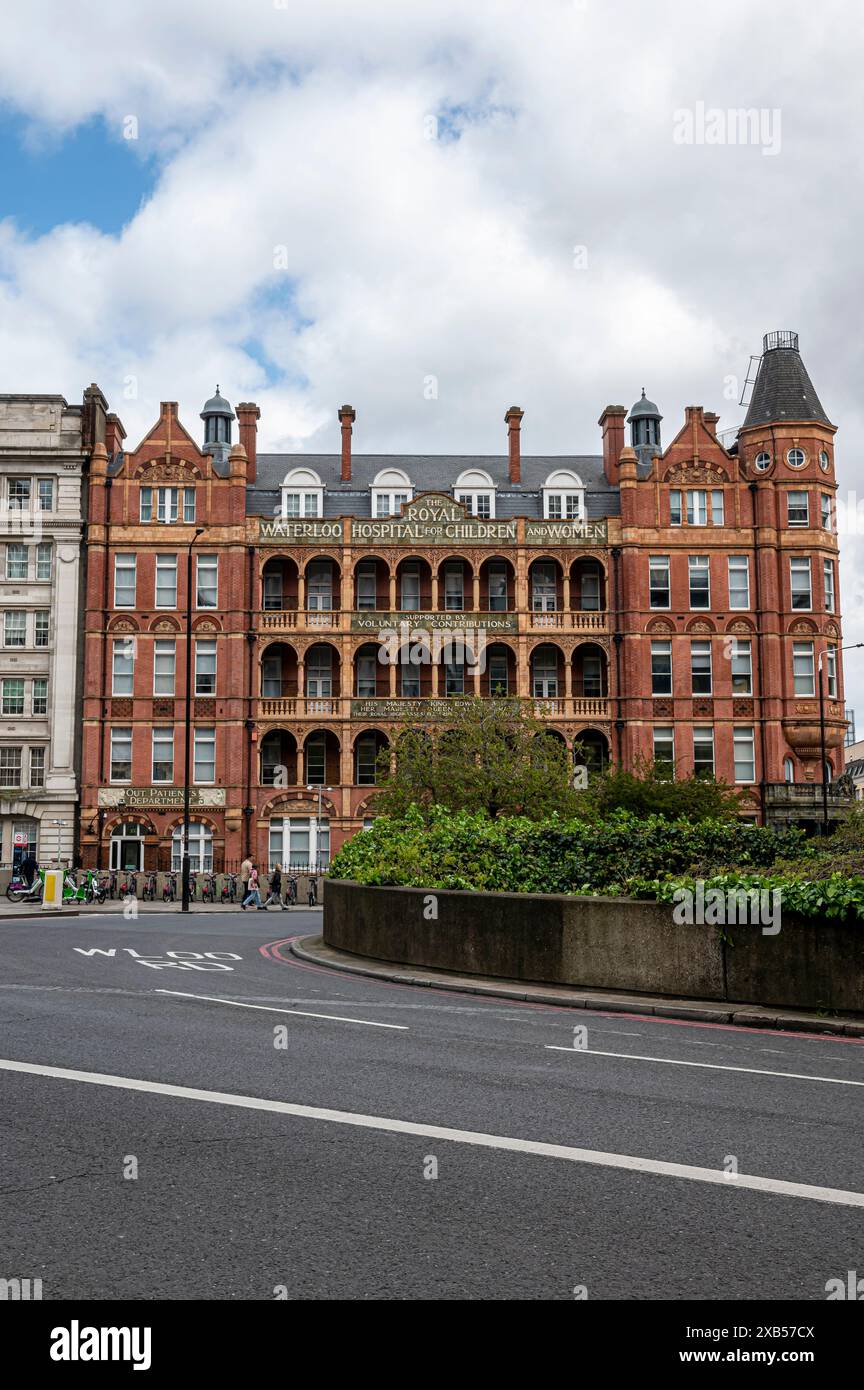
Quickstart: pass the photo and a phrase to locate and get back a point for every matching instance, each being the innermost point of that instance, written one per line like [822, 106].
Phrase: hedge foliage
[441, 849]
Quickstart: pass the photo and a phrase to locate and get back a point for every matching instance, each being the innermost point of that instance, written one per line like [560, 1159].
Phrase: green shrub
[437, 848]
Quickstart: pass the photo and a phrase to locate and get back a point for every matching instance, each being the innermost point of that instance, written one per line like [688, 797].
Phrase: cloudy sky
[433, 211]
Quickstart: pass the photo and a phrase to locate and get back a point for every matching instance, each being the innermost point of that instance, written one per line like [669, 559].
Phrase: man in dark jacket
[29, 868]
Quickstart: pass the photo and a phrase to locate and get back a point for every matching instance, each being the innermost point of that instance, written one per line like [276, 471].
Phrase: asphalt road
[534, 1191]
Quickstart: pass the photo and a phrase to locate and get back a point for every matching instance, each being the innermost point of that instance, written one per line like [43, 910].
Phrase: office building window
[10, 767]
[205, 755]
[739, 581]
[163, 755]
[41, 627]
[744, 748]
[700, 582]
[661, 668]
[703, 752]
[123, 667]
[14, 628]
[43, 560]
[37, 767]
[164, 665]
[40, 695]
[664, 746]
[828, 581]
[799, 569]
[124, 581]
[13, 696]
[658, 580]
[742, 667]
[207, 592]
[166, 581]
[803, 668]
[121, 755]
[700, 667]
[16, 561]
[798, 508]
[205, 666]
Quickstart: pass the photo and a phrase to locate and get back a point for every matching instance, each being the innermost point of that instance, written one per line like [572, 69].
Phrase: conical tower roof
[783, 390]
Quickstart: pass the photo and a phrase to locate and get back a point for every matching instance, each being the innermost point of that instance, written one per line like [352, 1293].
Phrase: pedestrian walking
[274, 894]
[29, 869]
[245, 874]
[254, 892]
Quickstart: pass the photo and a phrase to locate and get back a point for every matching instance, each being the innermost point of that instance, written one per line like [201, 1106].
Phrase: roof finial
[643, 392]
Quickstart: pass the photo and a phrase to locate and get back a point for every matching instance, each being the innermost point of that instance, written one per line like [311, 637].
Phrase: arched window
[563, 496]
[302, 493]
[200, 848]
[476, 489]
[391, 487]
[788, 770]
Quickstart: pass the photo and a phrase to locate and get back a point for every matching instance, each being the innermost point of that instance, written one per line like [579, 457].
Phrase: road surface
[274, 1129]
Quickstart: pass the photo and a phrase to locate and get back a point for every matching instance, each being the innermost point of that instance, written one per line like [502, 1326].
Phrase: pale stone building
[44, 449]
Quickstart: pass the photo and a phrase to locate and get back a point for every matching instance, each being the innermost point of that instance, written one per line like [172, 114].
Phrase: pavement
[188, 1110]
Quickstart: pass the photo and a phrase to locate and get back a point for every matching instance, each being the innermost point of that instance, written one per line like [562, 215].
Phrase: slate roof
[783, 390]
[432, 473]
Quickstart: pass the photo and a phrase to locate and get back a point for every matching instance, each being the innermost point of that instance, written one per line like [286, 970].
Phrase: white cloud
[304, 128]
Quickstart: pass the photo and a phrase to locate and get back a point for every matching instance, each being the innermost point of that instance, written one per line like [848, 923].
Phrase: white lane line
[294, 1013]
[711, 1066]
[594, 1157]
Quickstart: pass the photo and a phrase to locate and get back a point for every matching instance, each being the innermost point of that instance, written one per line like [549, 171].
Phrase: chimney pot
[513, 419]
[347, 416]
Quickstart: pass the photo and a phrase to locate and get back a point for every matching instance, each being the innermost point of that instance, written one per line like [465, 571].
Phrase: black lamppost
[199, 531]
[852, 646]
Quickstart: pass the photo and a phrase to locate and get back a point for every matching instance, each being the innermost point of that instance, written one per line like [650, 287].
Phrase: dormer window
[476, 489]
[391, 489]
[563, 497]
[302, 494]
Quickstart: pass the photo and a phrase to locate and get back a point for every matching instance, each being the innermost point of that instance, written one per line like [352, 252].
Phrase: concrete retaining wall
[602, 943]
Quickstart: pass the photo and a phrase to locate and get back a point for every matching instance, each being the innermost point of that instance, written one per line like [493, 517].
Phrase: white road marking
[711, 1066]
[294, 1013]
[593, 1157]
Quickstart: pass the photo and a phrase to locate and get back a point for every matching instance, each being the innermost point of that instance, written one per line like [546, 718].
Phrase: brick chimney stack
[347, 416]
[612, 424]
[513, 419]
[248, 416]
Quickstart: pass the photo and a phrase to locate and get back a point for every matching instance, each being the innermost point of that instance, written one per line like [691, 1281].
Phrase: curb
[700, 1012]
[46, 916]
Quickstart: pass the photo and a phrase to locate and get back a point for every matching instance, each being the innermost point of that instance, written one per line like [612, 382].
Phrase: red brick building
[670, 602]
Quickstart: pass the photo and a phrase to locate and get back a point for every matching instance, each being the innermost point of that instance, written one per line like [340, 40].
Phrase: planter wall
[602, 943]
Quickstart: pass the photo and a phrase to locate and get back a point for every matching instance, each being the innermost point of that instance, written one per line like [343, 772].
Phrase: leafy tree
[492, 756]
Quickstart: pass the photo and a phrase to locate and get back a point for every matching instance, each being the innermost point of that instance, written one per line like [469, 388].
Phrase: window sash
[739, 582]
[16, 561]
[166, 581]
[121, 755]
[164, 666]
[123, 667]
[659, 581]
[803, 668]
[800, 583]
[163, 755]
[661, 668]
[207, 581]
[205, 666]
[700, 581]
[700, 668]
[125, 577]
[744, 754]
[204, 755]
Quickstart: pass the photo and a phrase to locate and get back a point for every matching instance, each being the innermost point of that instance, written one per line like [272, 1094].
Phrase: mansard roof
[433, 473]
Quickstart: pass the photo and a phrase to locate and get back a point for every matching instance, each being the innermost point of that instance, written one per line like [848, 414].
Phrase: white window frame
[659, 564]
[209, 563]
[165, 563]
[735, 566]
[803, 669]
[699, 565]
[800, 569]
[126, 569]
[744, 753]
